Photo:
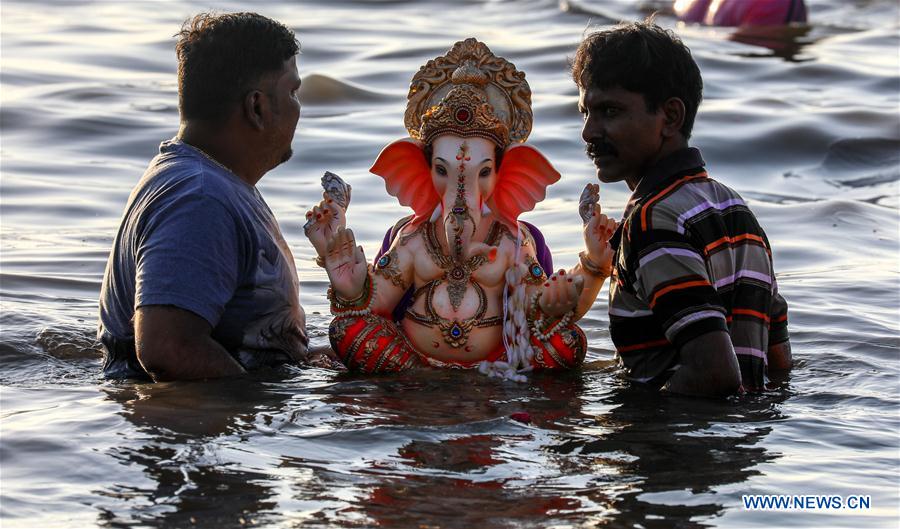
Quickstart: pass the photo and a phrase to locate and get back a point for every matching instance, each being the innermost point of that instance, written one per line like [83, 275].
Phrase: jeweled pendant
[456, 333]
[457, 273]
[456, 291]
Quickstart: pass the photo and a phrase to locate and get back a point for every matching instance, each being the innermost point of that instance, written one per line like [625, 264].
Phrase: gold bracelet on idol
[357, 306]
[593, 269]
[536, 323]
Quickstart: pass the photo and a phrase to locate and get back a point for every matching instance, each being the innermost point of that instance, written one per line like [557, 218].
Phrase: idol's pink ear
[521, 183]
[407, 176]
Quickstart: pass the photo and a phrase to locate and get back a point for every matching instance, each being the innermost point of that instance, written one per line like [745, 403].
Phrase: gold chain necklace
[210, 158]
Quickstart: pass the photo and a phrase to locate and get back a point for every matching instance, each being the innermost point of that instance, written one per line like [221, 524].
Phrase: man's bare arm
[175, 344]
[779, 356]
[709, 367]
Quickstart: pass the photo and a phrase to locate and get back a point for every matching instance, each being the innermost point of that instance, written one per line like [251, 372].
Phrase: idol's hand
[323, 222]
[346, 265]
[597, 233]
[560, 294]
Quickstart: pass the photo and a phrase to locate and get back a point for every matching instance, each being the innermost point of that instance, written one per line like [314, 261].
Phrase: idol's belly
[481, 343]
[467, 331]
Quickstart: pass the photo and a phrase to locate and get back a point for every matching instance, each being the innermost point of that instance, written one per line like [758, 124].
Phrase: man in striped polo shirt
[694, 307]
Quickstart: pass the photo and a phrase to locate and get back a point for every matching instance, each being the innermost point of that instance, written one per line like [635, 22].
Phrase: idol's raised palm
[323, 222]
[345, 263]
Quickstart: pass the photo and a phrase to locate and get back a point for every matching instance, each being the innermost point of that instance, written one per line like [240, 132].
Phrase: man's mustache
[595, 149]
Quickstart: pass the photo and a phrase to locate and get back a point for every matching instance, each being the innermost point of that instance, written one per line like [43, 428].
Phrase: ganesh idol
[461, 282]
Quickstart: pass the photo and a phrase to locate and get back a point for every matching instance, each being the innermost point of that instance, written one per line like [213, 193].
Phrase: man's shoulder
[176, 173]
[672, 207]
[172, 168]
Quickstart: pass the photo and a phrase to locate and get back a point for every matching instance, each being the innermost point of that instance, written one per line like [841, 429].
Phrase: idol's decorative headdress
[469, 92]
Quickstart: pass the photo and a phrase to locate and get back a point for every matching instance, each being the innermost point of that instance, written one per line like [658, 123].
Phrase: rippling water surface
[802, 121]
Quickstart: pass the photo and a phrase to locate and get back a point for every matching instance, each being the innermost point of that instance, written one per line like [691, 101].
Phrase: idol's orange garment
[375, 344]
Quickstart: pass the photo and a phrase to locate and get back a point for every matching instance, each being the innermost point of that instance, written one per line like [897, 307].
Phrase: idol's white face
[464, 174]
[467, 161]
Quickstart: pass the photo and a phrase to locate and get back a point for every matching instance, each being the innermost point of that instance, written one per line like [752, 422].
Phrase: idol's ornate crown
[469, 92]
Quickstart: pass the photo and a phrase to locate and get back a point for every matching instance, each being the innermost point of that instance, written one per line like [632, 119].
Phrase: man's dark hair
[222, 57]
[644, 58]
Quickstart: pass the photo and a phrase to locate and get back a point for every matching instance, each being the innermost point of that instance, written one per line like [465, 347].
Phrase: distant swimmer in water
[741, 12]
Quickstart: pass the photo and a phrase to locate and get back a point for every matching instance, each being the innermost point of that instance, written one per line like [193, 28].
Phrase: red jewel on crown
[463, 116]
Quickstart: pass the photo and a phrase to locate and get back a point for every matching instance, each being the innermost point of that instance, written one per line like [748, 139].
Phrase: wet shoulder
[179, 170]
[676, 206]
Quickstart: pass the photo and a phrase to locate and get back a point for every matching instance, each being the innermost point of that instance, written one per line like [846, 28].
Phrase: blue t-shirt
[197, 237]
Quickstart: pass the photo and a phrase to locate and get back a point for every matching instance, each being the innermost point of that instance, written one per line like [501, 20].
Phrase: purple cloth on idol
[544, 257]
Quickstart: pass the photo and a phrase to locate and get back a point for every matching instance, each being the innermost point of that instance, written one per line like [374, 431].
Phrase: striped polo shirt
[691, 258]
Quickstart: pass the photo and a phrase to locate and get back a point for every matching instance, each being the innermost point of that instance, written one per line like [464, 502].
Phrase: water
[805, 127]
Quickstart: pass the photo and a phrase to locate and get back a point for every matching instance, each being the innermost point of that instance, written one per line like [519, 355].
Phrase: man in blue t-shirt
[200, 282]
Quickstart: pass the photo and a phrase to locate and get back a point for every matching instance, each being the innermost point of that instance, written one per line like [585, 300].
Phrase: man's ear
[673, 111]
[255, 107]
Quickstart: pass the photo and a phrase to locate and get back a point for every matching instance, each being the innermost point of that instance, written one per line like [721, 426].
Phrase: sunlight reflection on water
[806, 130]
